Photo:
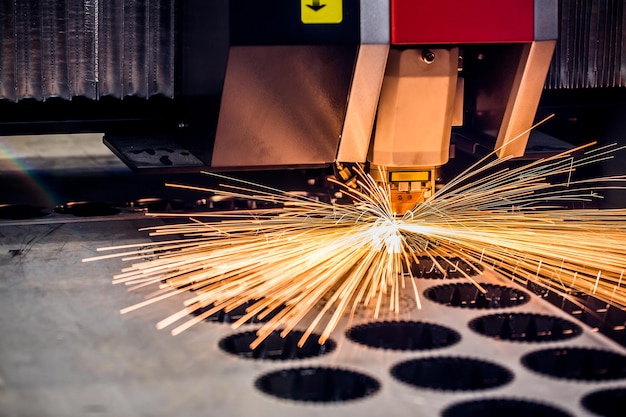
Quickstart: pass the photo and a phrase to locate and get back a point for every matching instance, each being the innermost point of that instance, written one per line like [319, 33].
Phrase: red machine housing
[462, 22]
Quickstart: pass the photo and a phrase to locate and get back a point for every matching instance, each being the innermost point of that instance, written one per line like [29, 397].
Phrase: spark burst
[322, 261]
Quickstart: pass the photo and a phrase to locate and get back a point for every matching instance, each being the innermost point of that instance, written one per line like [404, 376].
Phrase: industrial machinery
[409, 89]
[248, 85]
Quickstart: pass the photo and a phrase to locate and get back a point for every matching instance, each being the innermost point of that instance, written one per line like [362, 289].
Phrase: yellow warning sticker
[321, 11]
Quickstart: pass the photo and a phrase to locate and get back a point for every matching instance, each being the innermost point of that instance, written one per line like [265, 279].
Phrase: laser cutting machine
[253, 85]
[408, 88]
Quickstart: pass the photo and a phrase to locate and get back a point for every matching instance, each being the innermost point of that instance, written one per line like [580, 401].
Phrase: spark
[315, 262]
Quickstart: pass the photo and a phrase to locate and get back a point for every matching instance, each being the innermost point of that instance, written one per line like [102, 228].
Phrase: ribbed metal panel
[160, 52]
[86, 48]
[82, 55]
[55, 59]
[27, 49]
[7, 51]
[591, 50]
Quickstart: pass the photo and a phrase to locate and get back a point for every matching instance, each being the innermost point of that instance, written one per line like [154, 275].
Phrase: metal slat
[110, 46]
[594, 36]
[616, 42]
[585, 46]
[81, 48]
[7, 51]
[54, 49]
[622, 40]
[601, 42]
[160, 48]
[134, 63]
[27, 49]
[564, 38]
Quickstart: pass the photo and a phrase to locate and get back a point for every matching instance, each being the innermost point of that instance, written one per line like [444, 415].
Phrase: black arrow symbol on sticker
[316, 5]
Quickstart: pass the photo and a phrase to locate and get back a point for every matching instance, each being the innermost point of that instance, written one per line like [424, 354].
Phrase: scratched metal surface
[66, 351]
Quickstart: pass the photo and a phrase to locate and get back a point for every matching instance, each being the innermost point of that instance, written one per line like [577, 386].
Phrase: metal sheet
[283, 105]
[65, 350]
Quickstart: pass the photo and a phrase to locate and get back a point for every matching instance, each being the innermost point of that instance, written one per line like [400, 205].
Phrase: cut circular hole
[235, 314]
[317, 384]
[606, 403]
[20, 212]
[497, 407]
[577, 363]
[403, 335]
[275, 347]
[451, 373]
[525, 327]
[87, 209]
[466, 295]
[455, 267]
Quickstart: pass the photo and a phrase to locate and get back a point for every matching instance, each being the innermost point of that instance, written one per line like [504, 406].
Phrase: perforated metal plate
[65, 349]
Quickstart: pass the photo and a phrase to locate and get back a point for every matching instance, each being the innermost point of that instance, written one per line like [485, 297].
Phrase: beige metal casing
[282, 105]
[415, 109]
[367, 79]
[362, 103]
[303, 105]
[524, 98]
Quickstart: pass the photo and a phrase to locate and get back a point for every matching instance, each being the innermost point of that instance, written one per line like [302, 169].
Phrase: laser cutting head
[445, 62]
[392, 98]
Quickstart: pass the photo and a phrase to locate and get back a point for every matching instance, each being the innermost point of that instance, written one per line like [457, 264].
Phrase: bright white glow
[386, 235]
